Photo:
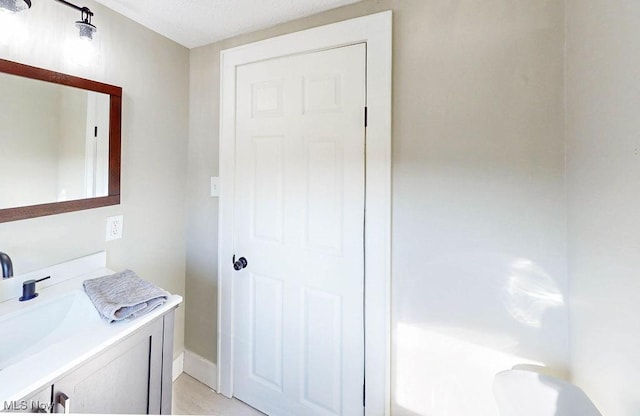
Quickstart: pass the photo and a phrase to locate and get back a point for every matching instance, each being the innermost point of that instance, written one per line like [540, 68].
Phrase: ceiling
[194, 23]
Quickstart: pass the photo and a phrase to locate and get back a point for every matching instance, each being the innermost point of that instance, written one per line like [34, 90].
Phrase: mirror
[59, 142]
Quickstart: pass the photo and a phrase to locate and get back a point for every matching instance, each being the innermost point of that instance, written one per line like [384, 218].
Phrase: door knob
[240, 264]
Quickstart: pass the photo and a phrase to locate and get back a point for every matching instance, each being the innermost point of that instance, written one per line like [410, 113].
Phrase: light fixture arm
[80, 9]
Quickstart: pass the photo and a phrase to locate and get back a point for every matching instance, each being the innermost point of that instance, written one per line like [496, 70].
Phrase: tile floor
[190, 397]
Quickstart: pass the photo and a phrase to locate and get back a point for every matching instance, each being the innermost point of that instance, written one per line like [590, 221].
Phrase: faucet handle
[7, 265]
[29, 289]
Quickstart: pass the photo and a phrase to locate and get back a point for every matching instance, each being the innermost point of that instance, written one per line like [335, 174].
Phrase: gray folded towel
[124, 295]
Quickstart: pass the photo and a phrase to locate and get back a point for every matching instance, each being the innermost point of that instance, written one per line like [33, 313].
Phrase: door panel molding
[376, 31]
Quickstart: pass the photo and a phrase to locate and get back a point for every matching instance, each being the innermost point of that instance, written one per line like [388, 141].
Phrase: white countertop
[24, 377]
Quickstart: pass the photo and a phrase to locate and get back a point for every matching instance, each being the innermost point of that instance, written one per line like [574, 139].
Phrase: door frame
[376, 31]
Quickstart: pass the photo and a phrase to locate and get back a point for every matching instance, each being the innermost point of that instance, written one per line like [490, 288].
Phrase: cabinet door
[39, 402]
[126, 378]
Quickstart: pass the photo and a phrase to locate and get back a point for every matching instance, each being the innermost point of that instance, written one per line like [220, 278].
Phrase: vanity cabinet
[131, 377]
[39, 402]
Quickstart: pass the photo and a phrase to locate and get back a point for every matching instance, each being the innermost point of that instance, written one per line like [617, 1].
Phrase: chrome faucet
[7, 265]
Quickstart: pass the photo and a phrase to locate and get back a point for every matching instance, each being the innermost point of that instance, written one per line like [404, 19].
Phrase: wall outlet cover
[114, 227]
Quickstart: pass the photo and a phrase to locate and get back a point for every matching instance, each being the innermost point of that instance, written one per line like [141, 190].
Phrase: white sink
[46, 337]
[43, 323]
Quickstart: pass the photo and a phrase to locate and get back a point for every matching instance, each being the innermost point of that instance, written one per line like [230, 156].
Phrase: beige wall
[202, 212]
[603, 172]
[32, 130]
[479, 269]
[154, 75]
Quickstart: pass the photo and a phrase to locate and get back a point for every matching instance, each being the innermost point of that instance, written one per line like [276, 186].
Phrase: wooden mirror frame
[115, 117]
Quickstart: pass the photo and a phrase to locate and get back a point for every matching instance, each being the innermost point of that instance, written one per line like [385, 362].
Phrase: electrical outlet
[114, 227]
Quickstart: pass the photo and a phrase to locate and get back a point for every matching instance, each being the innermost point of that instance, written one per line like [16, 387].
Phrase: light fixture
[84, 24]
[13, 6]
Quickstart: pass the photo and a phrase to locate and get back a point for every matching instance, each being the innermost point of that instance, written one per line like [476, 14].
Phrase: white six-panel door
[299, 222]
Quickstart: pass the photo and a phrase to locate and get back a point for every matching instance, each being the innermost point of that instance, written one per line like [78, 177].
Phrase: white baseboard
[201, 369]
[178, 366]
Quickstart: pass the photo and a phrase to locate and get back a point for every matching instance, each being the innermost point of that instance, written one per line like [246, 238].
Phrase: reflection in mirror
[54, 142]
[59, 142]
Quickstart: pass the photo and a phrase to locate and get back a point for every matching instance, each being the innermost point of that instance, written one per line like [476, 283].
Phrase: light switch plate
[215, 186]
[114, 227]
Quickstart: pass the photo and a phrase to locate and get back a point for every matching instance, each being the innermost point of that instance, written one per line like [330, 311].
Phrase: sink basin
[42, 324]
